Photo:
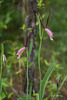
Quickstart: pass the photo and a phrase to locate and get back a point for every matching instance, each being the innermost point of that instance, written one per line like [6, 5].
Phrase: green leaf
[39, 3]
[45, 79]
[61, 84]
[10, 94]
[2, 96]
[23, 27]
[2, 52]
[39, 29]
[18, 72]
[0, 86]
[29, 98]
[37, 96]
[2, 25]
[5, 84]
[30, 29]
[46, 62]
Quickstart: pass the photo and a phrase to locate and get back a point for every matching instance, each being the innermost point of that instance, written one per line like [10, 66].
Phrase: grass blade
[30, 92]
[61, 84]
[2, 52]
[45, 79]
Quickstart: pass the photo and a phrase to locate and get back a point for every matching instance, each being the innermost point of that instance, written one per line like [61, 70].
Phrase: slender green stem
[27, 75]
[2, 52]
[40, 35]
[1, 60]
[39, 67]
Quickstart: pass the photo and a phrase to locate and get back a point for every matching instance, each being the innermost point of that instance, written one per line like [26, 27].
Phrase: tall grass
[27, 75]
[49, 71]
[2, 52]
[40, 35]
[28, 55]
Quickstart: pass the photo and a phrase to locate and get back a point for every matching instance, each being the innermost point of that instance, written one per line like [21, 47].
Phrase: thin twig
[48, 19]
[42, 22]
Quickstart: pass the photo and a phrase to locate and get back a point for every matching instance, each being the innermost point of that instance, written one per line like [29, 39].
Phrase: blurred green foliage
[12, 23]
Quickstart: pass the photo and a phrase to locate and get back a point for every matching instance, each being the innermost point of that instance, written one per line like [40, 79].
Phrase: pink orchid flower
[20, 51]
[49, 33]
[47, 30]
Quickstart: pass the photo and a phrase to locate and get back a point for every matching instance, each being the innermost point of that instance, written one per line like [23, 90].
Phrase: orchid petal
[20, 50]
[51, 39]
[18, 57]
[50, 33]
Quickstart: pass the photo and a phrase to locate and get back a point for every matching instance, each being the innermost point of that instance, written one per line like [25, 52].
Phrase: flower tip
[51, 39]
[49, 33]
[18, 57]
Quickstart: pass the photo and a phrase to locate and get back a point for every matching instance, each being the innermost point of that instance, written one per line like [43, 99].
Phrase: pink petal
[4, 60]
[49, 32]
[18, 57]
[51, 39]
[20, 50]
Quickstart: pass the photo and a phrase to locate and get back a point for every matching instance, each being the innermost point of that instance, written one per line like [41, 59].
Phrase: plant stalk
[39, 67]
[27, 75]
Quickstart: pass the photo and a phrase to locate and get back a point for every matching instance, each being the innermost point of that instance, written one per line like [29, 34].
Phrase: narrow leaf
[45, 79]
[2, 52]
[29, 98]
